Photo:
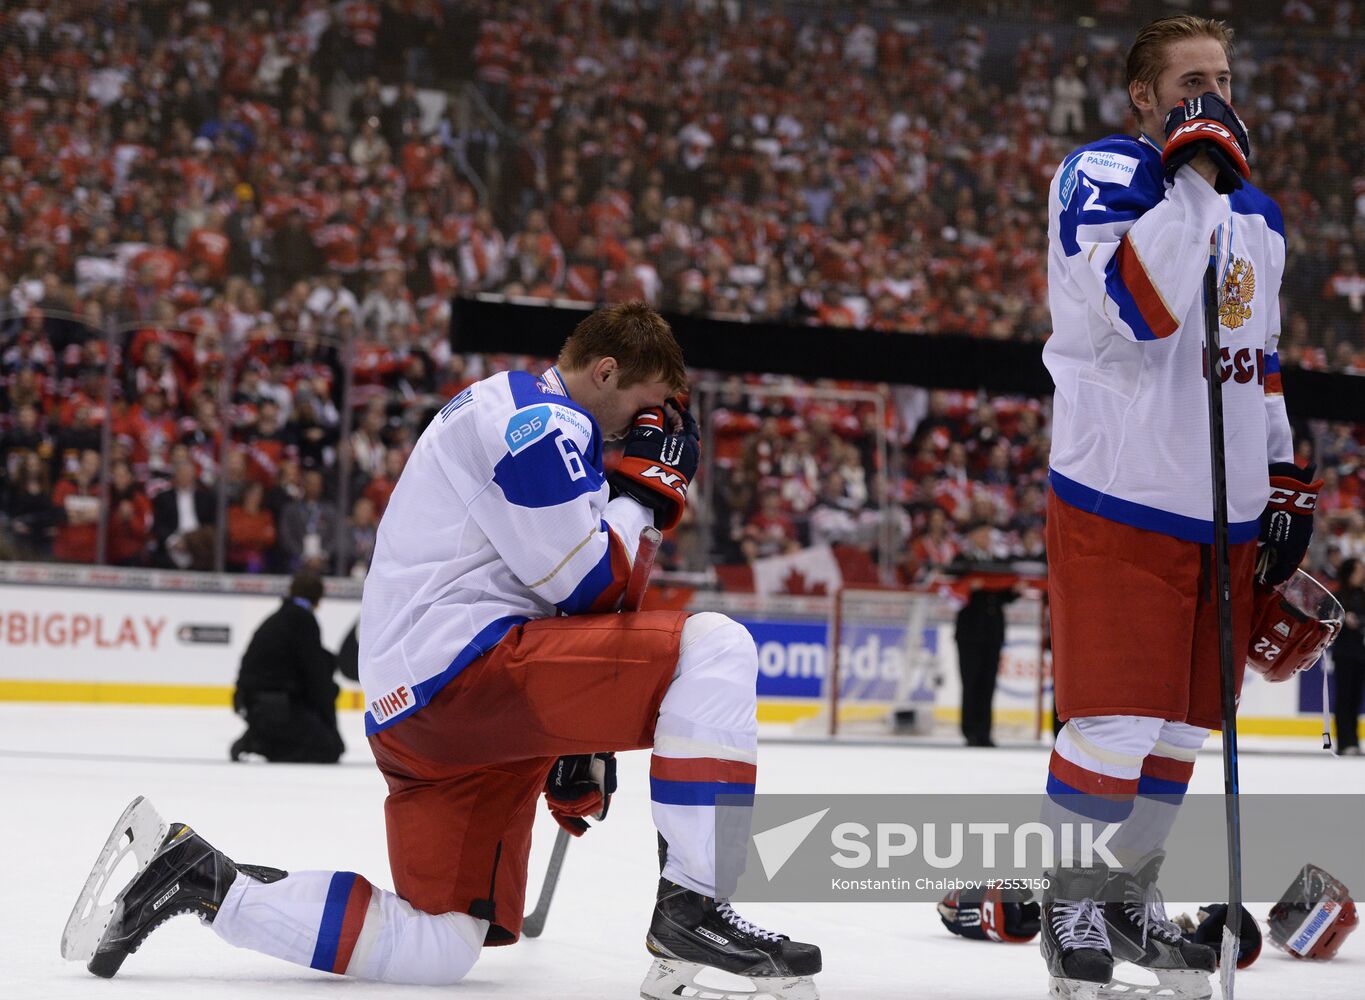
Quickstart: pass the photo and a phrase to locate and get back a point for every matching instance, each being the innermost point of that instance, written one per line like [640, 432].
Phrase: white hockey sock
[705, 744]
[338, 922]
[1166, 773]
[1093, 775]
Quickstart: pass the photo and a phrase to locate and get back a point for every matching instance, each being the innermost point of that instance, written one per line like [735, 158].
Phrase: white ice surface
[67, 771]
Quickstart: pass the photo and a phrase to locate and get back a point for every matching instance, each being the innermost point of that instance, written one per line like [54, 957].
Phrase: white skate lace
[732, 918]
[1079, 924]
[1146, 907]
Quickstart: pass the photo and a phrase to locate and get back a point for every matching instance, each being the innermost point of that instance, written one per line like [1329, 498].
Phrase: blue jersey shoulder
[1112, 164]
[529, 391]
[544, 465]
[1248, 200]
[1114, 179]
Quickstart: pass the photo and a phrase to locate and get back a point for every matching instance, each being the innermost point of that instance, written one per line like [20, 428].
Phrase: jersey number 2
[1092, 204]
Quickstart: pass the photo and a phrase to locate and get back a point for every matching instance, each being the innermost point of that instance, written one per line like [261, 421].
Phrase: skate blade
[139, 831]
[1073, 989]
[671, 979]
[1172, 984]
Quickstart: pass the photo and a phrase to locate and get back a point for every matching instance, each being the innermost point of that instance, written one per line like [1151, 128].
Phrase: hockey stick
[1213, 367]
[534, 923]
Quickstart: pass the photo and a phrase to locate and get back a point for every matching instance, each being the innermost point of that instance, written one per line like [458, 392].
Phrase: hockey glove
[991, 915]
[1207, 124]
[1209, 931]
[1287, 523]
[580, 785]
[658, 465]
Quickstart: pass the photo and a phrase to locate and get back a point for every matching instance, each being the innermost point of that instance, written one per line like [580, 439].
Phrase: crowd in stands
[268, 203]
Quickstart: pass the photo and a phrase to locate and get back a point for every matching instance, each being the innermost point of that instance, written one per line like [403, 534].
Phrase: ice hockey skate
[178, 872]
[1075, 943]
[695, 937]
[1140, 933]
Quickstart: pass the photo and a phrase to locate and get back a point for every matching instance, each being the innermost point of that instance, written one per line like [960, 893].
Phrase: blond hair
[638, 338]
[1147, 57]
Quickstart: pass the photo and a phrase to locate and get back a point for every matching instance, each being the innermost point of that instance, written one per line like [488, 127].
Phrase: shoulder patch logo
[526, 426]
[1108, 168]
[1097, 165]
[1066, 187]
[1239, 288]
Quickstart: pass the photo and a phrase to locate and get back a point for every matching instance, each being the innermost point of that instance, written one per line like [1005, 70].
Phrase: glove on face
[1287, 523]
[1207, 124]
[657, 465]
[580, 785]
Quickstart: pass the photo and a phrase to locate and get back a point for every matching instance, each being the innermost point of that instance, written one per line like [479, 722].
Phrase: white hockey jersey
[500, 516]
[1126, 261]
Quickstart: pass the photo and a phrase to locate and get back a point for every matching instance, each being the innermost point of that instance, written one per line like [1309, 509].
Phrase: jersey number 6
[573, 461]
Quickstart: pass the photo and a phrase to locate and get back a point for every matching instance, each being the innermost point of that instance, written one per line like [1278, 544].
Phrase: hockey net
[891, 667]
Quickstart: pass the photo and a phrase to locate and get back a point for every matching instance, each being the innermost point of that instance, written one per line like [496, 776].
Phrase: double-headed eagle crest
[1239, 288]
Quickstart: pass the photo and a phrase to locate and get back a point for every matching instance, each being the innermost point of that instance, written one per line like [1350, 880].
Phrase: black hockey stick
[1213, 369]
[534, 922]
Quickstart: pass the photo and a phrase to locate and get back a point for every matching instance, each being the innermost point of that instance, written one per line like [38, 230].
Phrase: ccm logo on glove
[1295, 500]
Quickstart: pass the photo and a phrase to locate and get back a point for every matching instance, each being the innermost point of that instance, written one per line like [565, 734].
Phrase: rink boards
[82, 634]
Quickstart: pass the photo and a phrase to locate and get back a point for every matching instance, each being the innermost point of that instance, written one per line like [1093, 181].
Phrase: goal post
[892, 665]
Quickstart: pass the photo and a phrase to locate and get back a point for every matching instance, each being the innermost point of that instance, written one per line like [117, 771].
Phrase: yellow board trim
[100, 693]
[769, 710]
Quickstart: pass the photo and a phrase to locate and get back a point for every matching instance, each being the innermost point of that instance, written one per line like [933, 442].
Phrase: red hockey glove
[658, 465]
[1207, 124]
[1287, 523]
[578, 786]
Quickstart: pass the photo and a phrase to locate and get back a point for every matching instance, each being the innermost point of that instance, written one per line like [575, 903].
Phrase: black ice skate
[1074, 942]
[178, 872]
[1140, 933]
[693, 934]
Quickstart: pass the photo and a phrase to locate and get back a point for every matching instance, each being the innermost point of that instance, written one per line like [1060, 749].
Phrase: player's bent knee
[709, 635]
[415, 948]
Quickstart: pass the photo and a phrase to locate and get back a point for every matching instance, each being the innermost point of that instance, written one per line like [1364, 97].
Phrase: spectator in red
[770, 531]
[210, 245]
[130, 517]
[157, 373]
[566, 216]
[151, 431]
[934, 549]
[250, 532]
[78, 504]
[1345, 294]
[380, 488]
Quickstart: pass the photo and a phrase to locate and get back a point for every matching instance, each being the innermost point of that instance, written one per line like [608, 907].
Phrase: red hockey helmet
[1315, 915]
[1292, 625]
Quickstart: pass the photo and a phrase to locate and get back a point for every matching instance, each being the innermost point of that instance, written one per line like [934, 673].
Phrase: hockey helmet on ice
[1314, 916]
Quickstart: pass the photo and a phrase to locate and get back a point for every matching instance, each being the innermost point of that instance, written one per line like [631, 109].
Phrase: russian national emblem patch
[1239, 288]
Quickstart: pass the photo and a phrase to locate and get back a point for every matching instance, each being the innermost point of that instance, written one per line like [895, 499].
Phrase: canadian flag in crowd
[810, 571]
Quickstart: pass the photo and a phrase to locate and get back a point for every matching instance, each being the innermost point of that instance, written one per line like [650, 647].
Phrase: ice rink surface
[67, 771]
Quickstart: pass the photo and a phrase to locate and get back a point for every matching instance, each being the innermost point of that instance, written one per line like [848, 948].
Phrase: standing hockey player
[1134, 614]
[494, 670]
